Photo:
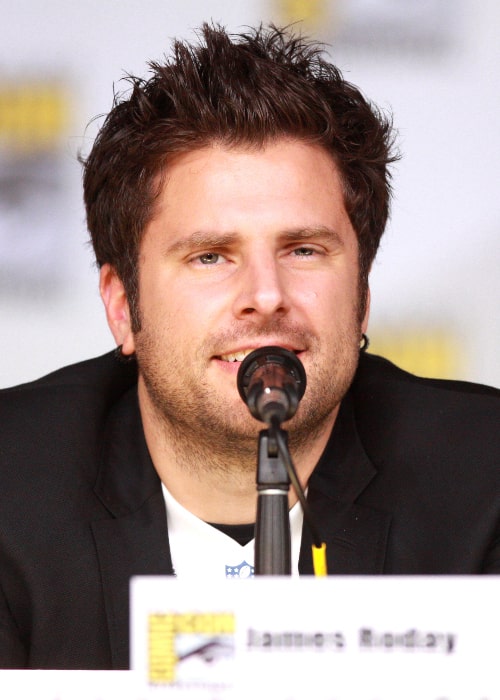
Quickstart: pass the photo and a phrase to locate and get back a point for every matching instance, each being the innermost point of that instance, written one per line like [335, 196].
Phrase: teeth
[236, 356]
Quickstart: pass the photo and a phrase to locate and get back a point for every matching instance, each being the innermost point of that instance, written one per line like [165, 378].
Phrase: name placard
[334, 638]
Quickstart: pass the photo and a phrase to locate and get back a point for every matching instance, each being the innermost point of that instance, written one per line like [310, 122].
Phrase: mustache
[287, 333]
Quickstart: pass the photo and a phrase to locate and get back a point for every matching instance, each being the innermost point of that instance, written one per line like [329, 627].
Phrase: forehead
[228, 188]
[274, 157]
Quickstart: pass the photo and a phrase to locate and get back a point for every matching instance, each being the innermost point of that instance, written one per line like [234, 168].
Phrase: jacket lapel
[133, 545]
[134, 541]
[355, 535]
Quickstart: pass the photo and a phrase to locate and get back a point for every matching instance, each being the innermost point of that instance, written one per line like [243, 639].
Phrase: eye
[303, 251]
[210, 258]
[207, 259]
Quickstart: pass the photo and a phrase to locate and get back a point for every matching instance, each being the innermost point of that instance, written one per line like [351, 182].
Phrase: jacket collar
[355, 535]
[127, 477]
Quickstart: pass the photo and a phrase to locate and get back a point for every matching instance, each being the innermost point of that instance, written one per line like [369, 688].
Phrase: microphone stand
[271, 381]
[272, 527]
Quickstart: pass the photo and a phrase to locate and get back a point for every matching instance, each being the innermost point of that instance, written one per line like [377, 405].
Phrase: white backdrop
[438, 267]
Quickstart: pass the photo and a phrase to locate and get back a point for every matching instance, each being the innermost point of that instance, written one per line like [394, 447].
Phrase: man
[235, 200]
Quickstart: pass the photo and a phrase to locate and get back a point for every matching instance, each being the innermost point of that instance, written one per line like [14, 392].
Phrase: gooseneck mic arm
[271, 381]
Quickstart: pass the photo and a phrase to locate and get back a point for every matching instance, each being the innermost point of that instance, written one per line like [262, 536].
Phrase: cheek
[309, 295]
[319, 292]
[195, 307]
[331, 301]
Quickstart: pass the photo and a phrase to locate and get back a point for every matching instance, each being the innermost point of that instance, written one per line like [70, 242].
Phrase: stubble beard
[205, 433]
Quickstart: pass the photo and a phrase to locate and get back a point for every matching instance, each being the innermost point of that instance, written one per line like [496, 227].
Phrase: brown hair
[244, 89]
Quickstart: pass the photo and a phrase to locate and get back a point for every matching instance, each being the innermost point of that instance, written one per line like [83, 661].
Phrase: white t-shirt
[200, 551]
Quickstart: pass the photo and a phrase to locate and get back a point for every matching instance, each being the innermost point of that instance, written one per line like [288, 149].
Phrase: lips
[239, 355]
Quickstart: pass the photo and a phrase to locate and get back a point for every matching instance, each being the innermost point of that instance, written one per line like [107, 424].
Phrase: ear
[364, 322]
[117, 309]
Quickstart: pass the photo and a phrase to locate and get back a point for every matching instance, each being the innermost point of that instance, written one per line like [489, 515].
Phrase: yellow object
[165, 628]
[424, 351]
[319, 560]
[33, 115]
[312, 12]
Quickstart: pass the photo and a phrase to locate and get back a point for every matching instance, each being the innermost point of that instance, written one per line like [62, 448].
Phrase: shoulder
[100, 379]
[376, 375]
[394, 406]
[63, 412]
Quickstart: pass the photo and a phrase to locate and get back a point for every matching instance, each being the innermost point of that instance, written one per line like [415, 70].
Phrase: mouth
[240, 355]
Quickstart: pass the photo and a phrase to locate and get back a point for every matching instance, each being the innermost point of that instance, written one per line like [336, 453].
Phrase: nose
[261, 290]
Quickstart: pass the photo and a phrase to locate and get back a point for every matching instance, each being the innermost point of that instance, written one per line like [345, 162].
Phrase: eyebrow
[202, 240]
[324, 233]
[208, 240]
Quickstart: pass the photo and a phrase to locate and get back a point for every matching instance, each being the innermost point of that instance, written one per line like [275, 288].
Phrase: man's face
[248, 247]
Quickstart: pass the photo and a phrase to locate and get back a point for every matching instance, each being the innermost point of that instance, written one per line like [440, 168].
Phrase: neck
[217, 482]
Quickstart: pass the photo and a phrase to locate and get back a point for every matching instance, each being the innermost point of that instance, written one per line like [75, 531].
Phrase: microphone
[271, 381]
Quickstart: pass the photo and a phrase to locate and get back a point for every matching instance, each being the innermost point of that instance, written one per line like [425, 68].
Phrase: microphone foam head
[271, 381]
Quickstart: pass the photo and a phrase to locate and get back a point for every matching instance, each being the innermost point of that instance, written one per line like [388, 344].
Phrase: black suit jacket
[408, 484]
